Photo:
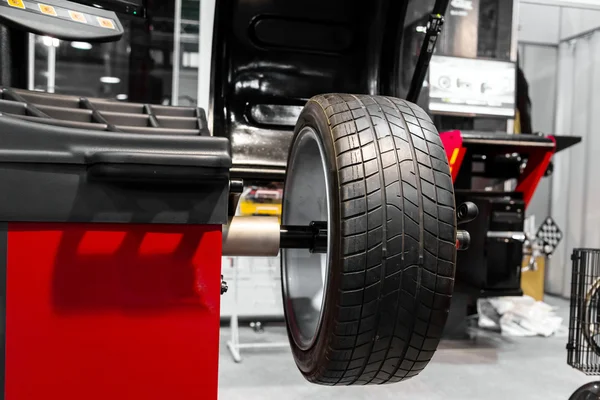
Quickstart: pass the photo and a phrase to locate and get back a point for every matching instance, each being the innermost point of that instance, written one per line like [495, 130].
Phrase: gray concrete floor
[487, 367]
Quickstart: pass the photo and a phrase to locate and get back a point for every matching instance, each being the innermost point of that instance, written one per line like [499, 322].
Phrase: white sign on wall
[472, 86]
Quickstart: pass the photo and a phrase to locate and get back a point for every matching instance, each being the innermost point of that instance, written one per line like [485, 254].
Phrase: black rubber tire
[391, 274]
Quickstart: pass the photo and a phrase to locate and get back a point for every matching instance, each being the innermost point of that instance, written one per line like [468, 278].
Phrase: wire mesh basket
[584, 323]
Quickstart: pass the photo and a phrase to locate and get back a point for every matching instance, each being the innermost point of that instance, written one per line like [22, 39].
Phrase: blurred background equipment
[262, 200]
[484, 86]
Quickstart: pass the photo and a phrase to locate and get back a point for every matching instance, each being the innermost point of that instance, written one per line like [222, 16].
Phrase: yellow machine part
[532, 281]
[252, 208]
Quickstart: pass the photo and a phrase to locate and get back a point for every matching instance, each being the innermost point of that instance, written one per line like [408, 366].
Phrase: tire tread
[396, 291]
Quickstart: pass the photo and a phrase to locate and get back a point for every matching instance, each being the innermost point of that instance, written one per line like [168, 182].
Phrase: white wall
[539, 24]
[539, 64]
[583, 4]
[552, 21]
[254, 287]
[576, 191]
[575, 21]
[539, 36]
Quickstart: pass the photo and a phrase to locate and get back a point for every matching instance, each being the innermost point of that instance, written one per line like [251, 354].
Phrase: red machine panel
[534, 172]
[103, 311]
[453, 145]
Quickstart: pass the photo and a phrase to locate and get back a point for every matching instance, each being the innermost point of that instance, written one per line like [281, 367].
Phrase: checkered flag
[550, 234]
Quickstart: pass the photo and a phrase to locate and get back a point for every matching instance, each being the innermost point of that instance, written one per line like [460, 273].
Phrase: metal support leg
[51, 73]
[234, 342]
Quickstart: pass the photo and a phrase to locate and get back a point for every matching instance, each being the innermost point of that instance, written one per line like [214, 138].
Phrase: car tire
[375, 170]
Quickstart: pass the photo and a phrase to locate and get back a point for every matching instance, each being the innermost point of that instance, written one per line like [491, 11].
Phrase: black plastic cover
[510, 142]
[136, 8]
[31, 142]
[64, 170]
[492, 264]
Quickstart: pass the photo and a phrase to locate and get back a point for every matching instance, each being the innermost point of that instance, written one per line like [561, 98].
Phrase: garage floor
[489, 367]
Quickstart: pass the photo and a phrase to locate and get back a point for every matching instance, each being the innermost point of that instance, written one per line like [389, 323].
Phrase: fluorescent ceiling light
[122, 97]
[109, 79]
[81, 45]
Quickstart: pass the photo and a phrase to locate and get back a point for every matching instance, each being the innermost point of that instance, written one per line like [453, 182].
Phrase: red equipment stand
[534, 171]
[110, 254]
[453, 145]
[111, 311]
[537, 149]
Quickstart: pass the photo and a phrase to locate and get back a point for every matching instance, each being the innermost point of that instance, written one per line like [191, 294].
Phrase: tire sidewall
[309, 360]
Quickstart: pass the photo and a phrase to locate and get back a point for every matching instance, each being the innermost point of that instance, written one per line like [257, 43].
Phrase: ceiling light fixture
[81, 45]
[110, 79]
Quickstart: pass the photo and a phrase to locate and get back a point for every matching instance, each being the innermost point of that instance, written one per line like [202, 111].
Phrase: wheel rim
[305, 275]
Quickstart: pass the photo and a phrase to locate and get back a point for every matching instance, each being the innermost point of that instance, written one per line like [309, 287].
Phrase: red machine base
[103, 311]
